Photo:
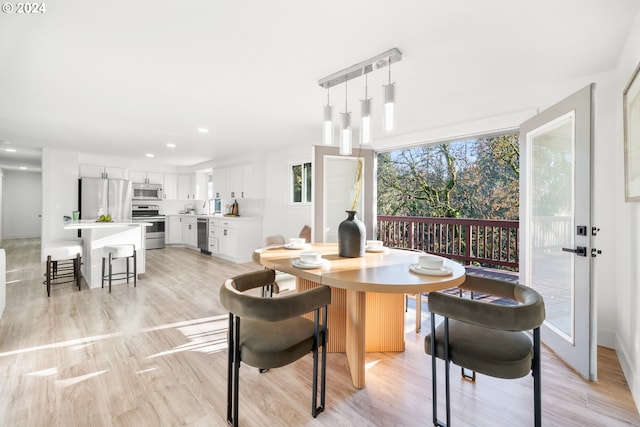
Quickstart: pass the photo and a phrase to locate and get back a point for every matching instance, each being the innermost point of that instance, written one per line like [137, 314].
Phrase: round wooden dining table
[366, 313]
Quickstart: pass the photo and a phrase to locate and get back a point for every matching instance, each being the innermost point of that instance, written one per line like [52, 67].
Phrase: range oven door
[154, 233]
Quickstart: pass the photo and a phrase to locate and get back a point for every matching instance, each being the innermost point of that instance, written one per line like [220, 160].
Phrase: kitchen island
[96, 235]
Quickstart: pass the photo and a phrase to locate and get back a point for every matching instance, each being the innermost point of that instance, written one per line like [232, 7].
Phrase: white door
[555, 214]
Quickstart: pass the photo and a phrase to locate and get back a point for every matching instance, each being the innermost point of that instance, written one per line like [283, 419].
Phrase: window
[300, 179]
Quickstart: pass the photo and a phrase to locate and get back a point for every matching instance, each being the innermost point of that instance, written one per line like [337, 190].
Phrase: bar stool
[112, 252]
[63, 262]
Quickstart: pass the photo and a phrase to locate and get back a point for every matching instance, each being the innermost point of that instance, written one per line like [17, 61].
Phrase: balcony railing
[487, 242]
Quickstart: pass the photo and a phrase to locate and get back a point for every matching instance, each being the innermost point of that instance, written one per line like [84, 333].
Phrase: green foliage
[466, 179]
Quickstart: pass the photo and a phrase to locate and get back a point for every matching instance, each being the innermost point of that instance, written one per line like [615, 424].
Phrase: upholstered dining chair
[485, 337]
[270, 332]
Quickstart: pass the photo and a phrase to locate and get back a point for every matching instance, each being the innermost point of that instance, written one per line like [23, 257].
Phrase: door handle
[579, 250]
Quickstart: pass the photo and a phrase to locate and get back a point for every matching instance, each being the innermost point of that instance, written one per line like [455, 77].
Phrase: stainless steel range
[155, 233]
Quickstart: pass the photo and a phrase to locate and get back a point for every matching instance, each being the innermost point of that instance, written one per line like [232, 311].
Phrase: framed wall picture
[631, 96]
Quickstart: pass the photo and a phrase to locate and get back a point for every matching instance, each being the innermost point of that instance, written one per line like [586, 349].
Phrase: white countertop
[92, 223]
[232, 218]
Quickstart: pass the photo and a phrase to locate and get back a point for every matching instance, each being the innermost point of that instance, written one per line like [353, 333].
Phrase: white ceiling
[126, 77]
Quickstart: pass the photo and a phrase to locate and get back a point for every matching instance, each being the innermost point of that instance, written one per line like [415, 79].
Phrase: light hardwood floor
[155, 355]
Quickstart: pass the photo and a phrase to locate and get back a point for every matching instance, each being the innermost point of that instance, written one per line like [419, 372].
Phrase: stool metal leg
[49, 276]
[110, 271]
[135, 268]
[127, 269]
[103, 268]
[76, 265]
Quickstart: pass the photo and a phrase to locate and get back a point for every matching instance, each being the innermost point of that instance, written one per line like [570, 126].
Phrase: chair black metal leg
[447, 364]
[127, 269]
[434, 384]
[236, 371]
[315, 408]
[231, 346]
[537, 392]
[323, 372]
[103, 268]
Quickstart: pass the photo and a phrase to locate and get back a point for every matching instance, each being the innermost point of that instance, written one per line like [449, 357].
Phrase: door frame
[581, 103]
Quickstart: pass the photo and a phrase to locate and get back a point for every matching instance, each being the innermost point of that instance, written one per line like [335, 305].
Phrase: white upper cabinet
[235, 182]
[146, 177]
[170, 186]
[219, 181]
[192, 186]
[184, 186]
[248, 183]
[93, 171]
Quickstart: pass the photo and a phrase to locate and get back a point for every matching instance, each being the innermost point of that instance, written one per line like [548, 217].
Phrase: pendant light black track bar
[364, 67]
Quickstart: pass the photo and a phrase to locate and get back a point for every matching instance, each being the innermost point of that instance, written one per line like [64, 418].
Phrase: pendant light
[365, 119]
[345, 127]
[389, 101]
[327, 125]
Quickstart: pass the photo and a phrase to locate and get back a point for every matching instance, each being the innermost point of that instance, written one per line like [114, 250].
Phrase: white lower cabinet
[174, 234]
[190, 231]
[235, 239]
[232, 239]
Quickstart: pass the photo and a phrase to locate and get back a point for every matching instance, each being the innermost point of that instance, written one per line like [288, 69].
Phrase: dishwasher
[203, 235]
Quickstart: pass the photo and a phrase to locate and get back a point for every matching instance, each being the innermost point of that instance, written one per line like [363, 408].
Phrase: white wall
[59, 193]
[626, 218]
[279, 216]
[1, 191]
[21, 204]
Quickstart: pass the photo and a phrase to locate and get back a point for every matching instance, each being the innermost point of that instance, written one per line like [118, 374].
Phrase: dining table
[367, 309]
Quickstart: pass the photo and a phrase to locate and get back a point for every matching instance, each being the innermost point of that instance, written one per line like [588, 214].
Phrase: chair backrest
[305, 233]
[274, 240]
[528, 314]
[254, 307]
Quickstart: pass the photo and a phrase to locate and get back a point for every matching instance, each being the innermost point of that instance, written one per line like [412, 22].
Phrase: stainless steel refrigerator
[112, 195]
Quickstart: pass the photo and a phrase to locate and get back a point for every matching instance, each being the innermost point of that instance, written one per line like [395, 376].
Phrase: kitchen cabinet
[170, 186]
[219, 182]
[173, 236]
[184, 186]
[140, 177]
[234, 182]
[236, 238]
[93, 171]
[247, 183]
[192, 186]
[189, 231]
[213, 236]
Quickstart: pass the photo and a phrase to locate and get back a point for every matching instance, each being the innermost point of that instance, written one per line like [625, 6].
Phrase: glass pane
[339, 189]
[296, 176]
[551, 209]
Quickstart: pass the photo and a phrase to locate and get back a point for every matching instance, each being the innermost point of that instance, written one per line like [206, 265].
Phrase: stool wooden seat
[112, 252]
[57, 252]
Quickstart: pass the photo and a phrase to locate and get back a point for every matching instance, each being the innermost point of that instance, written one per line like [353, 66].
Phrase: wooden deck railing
[487, 242]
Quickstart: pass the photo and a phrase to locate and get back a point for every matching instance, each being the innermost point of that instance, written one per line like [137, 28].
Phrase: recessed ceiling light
[203, 130]
[171, 145]
[24, 168]
[10, 150]
[149, 155]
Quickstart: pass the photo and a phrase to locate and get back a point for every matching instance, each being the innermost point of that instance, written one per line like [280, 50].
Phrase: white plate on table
[296, 247]
[443, 271]
[375, 249]
[307, 266]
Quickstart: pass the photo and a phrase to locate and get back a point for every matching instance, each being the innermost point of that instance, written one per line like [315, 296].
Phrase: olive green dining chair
[485, 337]
[270, 333]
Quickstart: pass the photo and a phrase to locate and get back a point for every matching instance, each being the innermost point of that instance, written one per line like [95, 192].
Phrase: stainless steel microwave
[147, 191]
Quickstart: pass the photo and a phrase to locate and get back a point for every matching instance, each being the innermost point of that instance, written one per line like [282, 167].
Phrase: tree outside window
[300, 179]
